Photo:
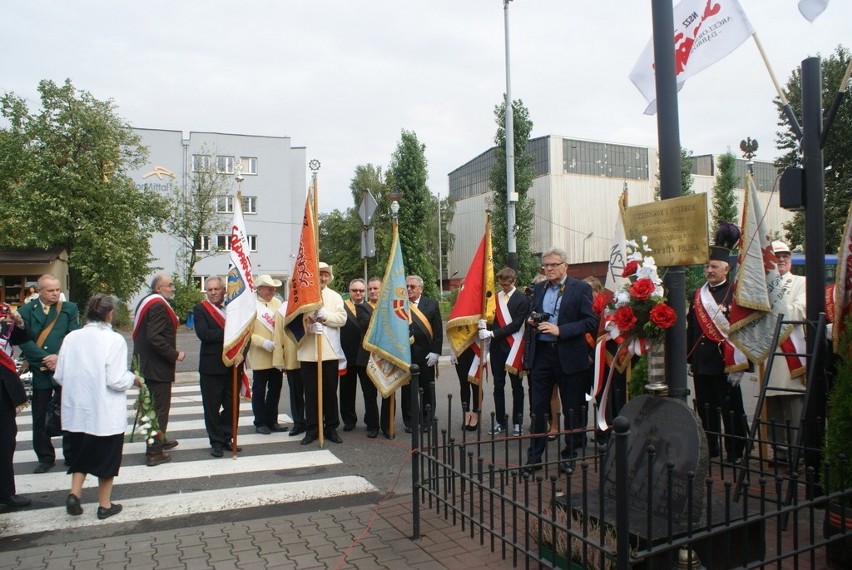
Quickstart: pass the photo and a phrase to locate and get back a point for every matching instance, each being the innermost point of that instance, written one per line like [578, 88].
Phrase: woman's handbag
[53, 418]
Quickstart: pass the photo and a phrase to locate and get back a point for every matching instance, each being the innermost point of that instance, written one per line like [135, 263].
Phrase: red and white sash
[714, 324]
[215, 312]
[795, 343]
[266, 316]
[146, 304]
[515, 360]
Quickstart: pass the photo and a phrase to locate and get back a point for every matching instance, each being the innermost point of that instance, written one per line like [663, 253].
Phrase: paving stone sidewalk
[358, 537]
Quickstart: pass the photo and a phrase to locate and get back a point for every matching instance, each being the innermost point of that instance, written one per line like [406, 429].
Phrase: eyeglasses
[356, 290]
[413, 286]
[551, 265]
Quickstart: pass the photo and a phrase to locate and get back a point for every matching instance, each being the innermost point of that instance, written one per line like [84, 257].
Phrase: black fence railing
[583, 514]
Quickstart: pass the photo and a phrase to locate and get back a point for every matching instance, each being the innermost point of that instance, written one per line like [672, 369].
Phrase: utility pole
[511, 195]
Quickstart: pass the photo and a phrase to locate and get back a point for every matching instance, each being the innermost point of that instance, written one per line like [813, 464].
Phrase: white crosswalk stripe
[271, 469]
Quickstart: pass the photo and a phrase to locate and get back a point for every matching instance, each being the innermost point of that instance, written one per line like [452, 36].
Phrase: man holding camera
[12, 395]
[561, 315]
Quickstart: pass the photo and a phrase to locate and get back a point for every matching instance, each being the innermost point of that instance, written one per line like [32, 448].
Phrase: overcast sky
[343, 78]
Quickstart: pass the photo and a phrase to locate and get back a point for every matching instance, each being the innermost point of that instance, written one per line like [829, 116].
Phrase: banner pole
[235, 409]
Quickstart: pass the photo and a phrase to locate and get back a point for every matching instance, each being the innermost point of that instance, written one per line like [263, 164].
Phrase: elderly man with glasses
[426, 330]
[358, 313]
[561, 314]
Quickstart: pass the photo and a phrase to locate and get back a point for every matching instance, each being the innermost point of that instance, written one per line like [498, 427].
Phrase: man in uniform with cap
[266, 378]
[788, 373]
[325, 322]
[717, 366]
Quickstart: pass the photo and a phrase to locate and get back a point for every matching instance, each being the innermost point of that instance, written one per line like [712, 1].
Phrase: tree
[837, 153]
[407, 175]
[340, 245]
[194, 217]
[522, 125]
[685, 175]
[64, 183]
[724, 199]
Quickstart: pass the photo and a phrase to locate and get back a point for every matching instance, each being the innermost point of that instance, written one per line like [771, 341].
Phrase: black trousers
[547, 372]
[468, 391]
[297, 398]
[217, 399]
[42, 445]
[498, 371]
[720, 403]
[348, 396]
[265, 395]
[162, 394]
[427, 376]
[8, 433]
[330, 413]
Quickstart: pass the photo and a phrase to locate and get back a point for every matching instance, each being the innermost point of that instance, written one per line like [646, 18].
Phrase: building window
[203, 243]
[198, 281]
[225, 164]
[223, 242]
[249, 164]
[200, 162]
[225, 204]
[252, 242]
[249, 204]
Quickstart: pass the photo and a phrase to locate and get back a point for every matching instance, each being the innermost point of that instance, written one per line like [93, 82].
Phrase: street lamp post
[440, 252]
[511, 196]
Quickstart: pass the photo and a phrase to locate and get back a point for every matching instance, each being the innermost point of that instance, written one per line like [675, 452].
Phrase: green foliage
[638, 377]
[121, 319]
[528, 262]
[407, 175]
[340, 246]
[186, 297]
[685, 175]
[839, 427]
[193, 214]
[837, 153]
[724, 198]
[64, 183]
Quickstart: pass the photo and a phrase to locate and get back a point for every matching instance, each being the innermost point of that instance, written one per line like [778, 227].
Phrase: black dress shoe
[263, 429]
[72, 505]
[228, 447]
[309, 438]
[168, 444]
[407, 429]
[43, 467]
[297, 431]
[16, 501]
[217, 451]
[279, 427]
[532, 468]
[348, 427]
[332, 435]
[114, 509]
[387, 434]
[373, 433]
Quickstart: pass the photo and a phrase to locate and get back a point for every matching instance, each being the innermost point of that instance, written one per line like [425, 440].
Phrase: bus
[830, 266]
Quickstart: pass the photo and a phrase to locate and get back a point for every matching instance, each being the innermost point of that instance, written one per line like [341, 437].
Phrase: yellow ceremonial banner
[676, 229]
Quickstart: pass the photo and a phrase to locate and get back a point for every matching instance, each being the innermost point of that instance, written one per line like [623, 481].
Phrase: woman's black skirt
[98, 455]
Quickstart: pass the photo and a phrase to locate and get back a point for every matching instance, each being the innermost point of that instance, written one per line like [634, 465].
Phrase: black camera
[539, 318]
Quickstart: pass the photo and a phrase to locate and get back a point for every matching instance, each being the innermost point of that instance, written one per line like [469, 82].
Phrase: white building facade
[576, 189]
[274, 190]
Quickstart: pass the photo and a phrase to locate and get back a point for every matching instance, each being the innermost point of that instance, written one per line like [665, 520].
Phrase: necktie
[46, 309]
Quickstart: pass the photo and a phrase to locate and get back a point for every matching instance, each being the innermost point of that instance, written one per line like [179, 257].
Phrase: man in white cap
[784, 409]
[266, 378]
[325, 322]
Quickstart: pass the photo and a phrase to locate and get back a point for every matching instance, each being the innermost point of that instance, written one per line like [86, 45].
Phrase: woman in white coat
[92, 370]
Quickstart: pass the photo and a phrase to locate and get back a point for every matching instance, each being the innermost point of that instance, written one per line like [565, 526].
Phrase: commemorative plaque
[676, 229]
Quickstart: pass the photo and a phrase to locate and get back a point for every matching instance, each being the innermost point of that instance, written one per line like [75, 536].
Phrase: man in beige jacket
[325, 323]
[266, 379]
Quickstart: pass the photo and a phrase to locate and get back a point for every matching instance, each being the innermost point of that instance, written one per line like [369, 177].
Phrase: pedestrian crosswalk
[271, 470]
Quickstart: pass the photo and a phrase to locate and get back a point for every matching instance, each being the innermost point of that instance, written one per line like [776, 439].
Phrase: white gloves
[453, 358]
[735, 378]
[317, 328]
[481, 324]
[268, 345]
[432, 359]
[485, 333]
[320, 314]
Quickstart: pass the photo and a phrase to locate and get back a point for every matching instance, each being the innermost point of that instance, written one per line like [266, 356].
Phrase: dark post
[622, 497]
[668, 133]
[414, 386]
[814, 245]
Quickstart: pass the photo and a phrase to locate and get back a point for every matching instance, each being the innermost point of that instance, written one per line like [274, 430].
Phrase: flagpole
[314, 164]
[483, 313]
[235, 396]
[788, 110]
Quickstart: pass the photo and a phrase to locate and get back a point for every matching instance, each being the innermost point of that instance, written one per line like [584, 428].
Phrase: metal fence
[757, 514]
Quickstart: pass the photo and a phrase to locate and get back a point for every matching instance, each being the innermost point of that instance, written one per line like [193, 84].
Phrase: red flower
[624, 319]
[663, 316]
[599, 304]
[630, 268]
[642, 289]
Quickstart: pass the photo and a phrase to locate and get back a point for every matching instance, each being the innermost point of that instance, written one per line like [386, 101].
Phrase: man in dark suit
[358, 314]
[426, 329]
[561, 315]
[58, 318]
[154, 343]
[507, 348]
[12, 395]
[717, 366]
[217, 382]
